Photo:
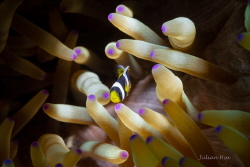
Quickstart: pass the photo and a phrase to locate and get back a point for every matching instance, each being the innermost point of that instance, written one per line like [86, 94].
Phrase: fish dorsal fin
[127, 69]
[119, 70]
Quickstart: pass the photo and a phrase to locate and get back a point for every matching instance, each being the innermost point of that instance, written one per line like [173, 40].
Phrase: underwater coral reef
[188, 69]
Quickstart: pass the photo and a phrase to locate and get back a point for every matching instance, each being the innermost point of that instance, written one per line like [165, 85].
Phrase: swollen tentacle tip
[75, 32]
[181, 161]
[35, 144]
[45, 92]
[120, 9]
[200, 116]
[45, 107]
[152, 54]
[44, 77]
[15, 141]
[106, 95]
[63, 9]
[240, 37]
[74, 56]
[118, 107]
[78, 51]
[7, 161]
[118, 44]
[110, 17]
[164, 160]
[149, 139]
[141, 111]
[165, 101]
[243, 39]
[78, 151]
[163, 28]
[155, 66]
[41, 59]
[10, 119]
[59, 165]
[124, 154]
[133, 137]
[91, 97]
[218, 129]
[111, 51]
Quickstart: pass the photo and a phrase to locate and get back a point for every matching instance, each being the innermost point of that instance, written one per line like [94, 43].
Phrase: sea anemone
[189, 102]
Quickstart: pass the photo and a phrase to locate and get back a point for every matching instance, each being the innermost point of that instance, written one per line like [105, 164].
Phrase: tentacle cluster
[144, 138]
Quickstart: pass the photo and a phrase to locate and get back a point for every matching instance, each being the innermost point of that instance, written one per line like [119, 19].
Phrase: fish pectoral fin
[127, 88]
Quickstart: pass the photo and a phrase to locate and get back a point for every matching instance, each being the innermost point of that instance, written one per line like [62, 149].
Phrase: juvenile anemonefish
[121, 87]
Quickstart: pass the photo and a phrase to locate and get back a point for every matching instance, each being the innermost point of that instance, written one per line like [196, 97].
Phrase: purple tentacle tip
[218, 129]
[155, 66]
[59, 165]
[91, 97]
[141, 111]
[15, 142]
[165, 101]
[120, 9]
[163, 29]
[182, 161]
[45, 107]
[74, 32]
[10, 119]
[118, 44]
[118, 106]
[164, 160]
[78, 51]
[110, 16]
[63, 9]
[35, 144]
[111, 51]
[248, 3]
[41, 59]
[149, 139]
[105, 95]
[45, 76]
[7, 161]
[74, 56]
[124, 154]
[240, 37]
[78, 151]
[200, 116]
[45, 92]
[152, 54]
[133, 137]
